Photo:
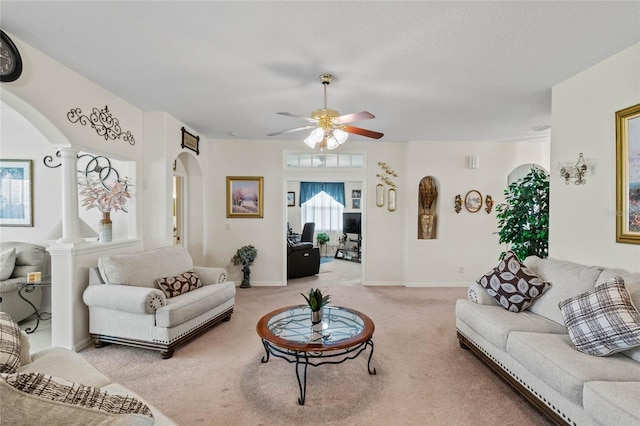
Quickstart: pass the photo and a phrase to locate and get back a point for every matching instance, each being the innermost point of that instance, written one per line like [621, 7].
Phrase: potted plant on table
[323, 239]
[316, 301]
[245, 256]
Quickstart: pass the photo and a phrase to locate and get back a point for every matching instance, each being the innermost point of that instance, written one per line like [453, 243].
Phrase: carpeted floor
[423, 377]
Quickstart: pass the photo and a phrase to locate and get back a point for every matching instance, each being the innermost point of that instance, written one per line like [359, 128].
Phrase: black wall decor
[103, 123]
[97, 164]
[190, 141]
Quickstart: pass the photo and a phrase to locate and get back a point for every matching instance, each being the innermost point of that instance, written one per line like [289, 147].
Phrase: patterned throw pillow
[512, 284]
[602, 321]
[55, 389]
[180, 284]
[9, 344]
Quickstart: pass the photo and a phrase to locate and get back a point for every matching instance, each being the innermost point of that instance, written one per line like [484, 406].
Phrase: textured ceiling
[427, 70]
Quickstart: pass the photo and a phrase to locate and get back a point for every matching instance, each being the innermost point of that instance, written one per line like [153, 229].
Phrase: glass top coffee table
[288, 333]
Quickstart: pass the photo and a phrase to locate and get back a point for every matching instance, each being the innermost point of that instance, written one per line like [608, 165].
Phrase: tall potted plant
[523, 218]
[245, 256]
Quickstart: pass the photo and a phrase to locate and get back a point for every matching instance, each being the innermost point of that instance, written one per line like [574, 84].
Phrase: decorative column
[70, 216]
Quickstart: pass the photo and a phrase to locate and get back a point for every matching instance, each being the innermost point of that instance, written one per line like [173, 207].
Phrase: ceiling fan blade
[297, 129]
[363, 132]
[356, 116]
[290, 114]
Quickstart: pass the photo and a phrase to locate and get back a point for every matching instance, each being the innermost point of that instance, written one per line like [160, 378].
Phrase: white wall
[467, 244]
[583, 218]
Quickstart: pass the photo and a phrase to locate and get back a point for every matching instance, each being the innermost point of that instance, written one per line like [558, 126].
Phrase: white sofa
[532, 350]
[67, 391]
[126, 305]
[28, 258]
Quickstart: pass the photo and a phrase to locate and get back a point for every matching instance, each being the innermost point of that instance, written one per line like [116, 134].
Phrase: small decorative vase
[316, 316]
[105, 227]
[245, 279]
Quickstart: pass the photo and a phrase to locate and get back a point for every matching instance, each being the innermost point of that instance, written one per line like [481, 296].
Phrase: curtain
[334, 189]
[325, 212]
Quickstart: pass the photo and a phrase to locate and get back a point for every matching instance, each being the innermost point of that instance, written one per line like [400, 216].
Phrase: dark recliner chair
[303, 259]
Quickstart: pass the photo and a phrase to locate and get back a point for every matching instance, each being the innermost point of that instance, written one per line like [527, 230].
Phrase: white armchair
[127, 306]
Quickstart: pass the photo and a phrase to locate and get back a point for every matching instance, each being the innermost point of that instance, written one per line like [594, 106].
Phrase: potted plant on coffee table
[245, 256]
[316, 301]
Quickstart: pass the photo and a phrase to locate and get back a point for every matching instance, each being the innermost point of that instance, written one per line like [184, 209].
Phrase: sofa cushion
[10, 343]
[194, 303]
[567, 280]
[602, 321]
[552, 359]
[65, 364]
[495, 323]
[512, 284]
[143, 268]
[179, 284]
[613, 403]
[7, 262]
[42, 389]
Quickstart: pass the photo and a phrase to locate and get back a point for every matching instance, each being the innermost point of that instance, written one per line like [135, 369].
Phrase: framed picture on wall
[355, 203]
[190, 141]
[356, 193]
[16, 195]
[245, 197]
[291, 199]
[628, 175]
[473, 201]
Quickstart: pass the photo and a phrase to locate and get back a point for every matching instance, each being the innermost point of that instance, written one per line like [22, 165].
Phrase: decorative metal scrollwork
[103, 122]
[97, 164]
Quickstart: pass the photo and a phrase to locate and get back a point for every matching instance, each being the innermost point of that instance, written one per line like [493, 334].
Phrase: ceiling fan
[330, 128]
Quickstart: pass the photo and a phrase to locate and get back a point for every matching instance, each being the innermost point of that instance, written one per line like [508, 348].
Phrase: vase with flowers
[97, 194]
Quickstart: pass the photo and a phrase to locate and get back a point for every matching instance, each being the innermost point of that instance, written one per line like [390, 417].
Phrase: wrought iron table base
[303, 359]
[44, 316]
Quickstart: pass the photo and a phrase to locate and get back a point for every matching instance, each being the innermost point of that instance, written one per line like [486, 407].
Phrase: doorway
[339, 248]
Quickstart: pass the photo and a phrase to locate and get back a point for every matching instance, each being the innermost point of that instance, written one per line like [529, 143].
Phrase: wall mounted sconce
[488, 204]
[458, 203]
[574, 173]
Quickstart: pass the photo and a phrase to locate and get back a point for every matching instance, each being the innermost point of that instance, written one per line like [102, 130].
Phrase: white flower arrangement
[105, 198]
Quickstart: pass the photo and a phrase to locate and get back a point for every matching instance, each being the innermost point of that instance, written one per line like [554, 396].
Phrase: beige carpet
[423, 377]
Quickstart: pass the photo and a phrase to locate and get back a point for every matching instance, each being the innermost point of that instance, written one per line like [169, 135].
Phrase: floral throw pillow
[512, 284]
[602, 321]
[180, 284]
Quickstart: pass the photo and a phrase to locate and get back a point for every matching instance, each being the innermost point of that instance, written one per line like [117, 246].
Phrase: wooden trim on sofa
[531, 397]
[166, 350]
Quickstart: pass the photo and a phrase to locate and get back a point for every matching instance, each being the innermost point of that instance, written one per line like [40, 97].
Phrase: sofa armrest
[478, 294]
[136, 300]
[210, 275]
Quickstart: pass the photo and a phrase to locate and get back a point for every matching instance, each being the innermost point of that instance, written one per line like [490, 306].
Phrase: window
[324, 211]
[323, 161]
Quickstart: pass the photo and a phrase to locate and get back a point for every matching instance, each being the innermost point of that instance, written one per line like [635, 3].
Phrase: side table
[27, 287]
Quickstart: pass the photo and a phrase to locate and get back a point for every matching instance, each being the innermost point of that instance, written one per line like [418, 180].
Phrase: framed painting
[16, 196]
[473, 201]
[190, 141]
[291, 199]
[245, 197]
[356, 193]
[355, 203]
[628, 175]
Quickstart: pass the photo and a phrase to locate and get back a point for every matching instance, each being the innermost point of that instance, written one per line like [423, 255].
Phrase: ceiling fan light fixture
[340, 135]
[314, 137]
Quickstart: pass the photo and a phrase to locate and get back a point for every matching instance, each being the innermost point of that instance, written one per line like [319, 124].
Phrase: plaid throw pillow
[512, 284]
[55, 389]
[10, 344]
[602, 321]
[180, 284]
